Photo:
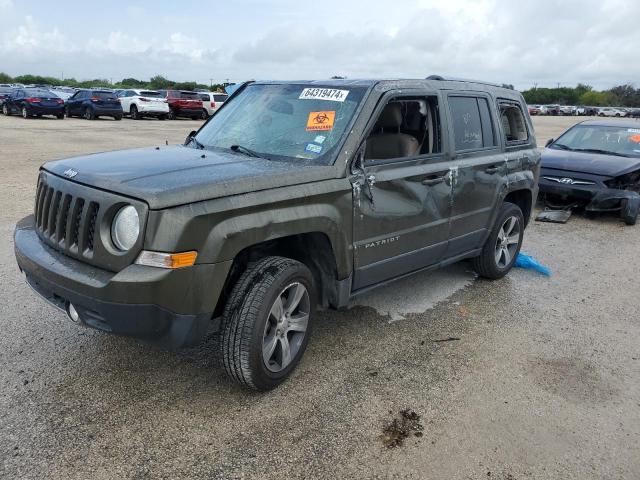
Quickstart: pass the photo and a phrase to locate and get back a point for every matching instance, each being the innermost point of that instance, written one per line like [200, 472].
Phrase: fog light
[73, 313]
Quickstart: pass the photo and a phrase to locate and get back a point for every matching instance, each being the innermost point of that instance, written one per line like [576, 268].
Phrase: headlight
[125, 228]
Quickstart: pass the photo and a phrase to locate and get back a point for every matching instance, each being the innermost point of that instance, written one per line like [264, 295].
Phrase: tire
[205, 114]
[67, 113]
[117, 117]
[60, 116]
[171, 115]
[249, 326]
[495, 262]
[24, 112]
[133, 111]
[89, 114]
[630, 210]
[5, 110]
[162, 117]
[195, 118]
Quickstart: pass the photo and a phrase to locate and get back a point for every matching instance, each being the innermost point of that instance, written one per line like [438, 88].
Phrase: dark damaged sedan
[595, 164]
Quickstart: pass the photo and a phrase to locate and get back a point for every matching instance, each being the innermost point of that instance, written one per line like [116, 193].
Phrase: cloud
[523, 43]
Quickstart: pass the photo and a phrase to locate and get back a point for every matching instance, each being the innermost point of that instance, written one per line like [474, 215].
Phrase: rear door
[480, 168]
[401, 203]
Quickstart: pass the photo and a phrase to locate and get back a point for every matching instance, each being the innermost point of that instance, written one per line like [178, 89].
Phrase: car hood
[585, 162]
[177, 175]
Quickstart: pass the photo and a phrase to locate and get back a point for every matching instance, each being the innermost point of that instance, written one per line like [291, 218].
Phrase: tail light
[95, 99]
[59, 101]
[32, 100]
[213, 104]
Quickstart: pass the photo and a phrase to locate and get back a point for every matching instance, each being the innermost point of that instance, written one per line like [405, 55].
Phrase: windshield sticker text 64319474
[332, 94]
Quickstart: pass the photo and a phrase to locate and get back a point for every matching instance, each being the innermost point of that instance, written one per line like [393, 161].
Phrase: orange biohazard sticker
[635, 138]
[319, 121]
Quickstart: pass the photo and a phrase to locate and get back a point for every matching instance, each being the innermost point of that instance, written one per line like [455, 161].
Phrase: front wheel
[117, 117]
[266, 322]
[172, 115]
[503, 245]
[204, 115]
[25, 112]
[162, 117]
[60, 116]
[88, 114]
[5, 110]
[133, 111]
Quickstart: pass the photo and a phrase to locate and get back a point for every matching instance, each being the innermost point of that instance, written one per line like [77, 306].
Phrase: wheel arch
[524, 199]
[313, 249]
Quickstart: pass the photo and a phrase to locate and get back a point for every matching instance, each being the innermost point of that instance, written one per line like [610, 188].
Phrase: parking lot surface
[525, 377]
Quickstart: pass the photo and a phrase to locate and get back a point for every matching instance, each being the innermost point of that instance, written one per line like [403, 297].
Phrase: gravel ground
[536, 377]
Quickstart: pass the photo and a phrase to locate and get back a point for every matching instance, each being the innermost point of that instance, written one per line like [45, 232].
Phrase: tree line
[620, 96]
[157, 82]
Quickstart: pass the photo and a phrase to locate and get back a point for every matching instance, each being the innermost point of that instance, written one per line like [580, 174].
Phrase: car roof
[612, 123]
[434, 82]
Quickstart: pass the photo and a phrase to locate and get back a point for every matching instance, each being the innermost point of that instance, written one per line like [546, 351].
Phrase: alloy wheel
[286, 327]
[508, 241]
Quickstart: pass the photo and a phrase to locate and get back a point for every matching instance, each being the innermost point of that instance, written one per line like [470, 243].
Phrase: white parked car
[211, 101]
[568, 110]
[143, 103]
[611, 112]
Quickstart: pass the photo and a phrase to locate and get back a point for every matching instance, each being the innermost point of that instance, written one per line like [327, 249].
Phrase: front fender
[219, 229]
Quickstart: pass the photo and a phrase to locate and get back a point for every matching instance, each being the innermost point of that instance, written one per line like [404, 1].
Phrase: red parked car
[183, 104]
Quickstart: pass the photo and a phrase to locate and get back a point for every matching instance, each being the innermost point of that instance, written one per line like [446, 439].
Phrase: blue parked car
[92, 104]
[33, 102]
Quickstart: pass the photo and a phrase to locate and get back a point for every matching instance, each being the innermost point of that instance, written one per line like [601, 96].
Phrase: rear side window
[472, 125]
[188, 95]
[146, 93]
[220, 98]
[514, 127]
[103, 95]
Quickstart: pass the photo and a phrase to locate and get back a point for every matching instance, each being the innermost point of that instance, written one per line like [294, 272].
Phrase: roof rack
[452, 79]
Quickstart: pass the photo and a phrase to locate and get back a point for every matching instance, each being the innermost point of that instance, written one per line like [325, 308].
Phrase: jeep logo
[70, 173]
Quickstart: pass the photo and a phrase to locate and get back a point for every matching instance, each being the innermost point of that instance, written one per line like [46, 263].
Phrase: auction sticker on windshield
[324, 94]
[319, 121]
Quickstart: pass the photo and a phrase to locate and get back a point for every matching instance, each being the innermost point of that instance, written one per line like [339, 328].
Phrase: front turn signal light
[167, 260]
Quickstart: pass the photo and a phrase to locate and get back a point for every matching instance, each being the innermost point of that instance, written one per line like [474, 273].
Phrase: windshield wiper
[597, 150]
[247, 151]
[561, 146]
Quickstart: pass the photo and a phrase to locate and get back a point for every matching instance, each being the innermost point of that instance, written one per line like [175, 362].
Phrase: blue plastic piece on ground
[526, 261]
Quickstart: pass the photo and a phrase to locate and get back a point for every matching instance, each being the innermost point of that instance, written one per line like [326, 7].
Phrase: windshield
[601, 139]
[284, 121]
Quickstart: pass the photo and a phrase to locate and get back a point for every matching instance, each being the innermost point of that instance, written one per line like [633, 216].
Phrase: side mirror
[549, 142]
[192, 134]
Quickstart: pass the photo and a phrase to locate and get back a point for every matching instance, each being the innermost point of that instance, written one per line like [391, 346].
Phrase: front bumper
[171, 307]
[594, 198]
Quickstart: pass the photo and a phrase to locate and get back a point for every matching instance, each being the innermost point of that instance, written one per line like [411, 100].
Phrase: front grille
[70, 217]
[67, 222]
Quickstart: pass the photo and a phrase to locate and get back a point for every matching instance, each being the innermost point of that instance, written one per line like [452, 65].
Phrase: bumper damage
[170, 307]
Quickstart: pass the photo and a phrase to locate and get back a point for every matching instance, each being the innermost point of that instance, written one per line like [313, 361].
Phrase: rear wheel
[67, 112]
[133, 111]
[205, 114]
[266, 323]
[25, 112]
[89, 114]
[503, 245]
[172, 115]
[60, 116]
[117, 117]
[162, 117]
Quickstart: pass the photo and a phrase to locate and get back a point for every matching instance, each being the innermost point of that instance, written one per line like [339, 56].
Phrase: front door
[402, 193]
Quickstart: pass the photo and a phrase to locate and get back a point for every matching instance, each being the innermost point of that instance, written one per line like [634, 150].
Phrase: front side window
[472, 125]
[514, 127]
[406, 127]
[284, 122]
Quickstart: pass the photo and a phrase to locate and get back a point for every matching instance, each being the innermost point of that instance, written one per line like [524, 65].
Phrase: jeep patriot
[293, 196]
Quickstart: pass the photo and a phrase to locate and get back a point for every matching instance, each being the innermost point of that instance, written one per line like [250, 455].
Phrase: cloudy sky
[541, 42]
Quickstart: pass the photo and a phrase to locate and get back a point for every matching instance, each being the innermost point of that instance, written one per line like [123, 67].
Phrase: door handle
[433, 181]
[491, 170]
